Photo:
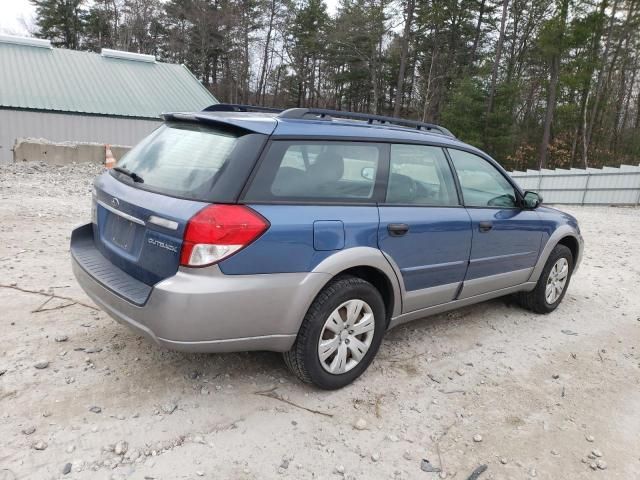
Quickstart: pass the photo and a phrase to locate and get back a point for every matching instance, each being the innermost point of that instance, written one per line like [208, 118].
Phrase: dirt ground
[529, 396]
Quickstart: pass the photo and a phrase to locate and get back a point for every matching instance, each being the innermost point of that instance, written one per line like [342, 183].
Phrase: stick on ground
[52, 295]
[272, 394]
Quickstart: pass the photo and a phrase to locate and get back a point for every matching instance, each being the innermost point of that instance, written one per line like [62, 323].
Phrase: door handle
[397, 229]
[485, 226]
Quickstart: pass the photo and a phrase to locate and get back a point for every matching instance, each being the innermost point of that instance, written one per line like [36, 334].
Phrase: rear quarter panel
[288, 245]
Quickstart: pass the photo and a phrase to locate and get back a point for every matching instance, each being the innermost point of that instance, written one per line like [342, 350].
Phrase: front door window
[482, 184]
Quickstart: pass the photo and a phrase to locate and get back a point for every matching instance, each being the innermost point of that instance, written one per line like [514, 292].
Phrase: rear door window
[317, 171]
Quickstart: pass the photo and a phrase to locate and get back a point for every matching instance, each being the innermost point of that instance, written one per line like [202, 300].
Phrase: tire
[304, 357]
[536, 300]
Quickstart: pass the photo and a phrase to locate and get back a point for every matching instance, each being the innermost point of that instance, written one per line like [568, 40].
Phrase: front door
[423, 227]
[506, 238]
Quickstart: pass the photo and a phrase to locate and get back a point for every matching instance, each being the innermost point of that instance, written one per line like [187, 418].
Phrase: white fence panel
[593, 186]
[528, 182]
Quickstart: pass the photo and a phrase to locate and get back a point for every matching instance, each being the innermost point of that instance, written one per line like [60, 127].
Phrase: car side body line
[431, 296]
[275, 343]
[476, 286]
[435, 266]
[510, 255]
[445, 307]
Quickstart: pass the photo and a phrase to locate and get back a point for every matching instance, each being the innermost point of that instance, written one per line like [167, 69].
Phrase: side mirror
[368, 173]
[531, 200]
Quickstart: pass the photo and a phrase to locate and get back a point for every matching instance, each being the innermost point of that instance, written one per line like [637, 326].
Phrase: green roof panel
[56, 79]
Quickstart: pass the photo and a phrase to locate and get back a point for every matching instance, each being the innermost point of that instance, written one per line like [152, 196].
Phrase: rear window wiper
[133, 175]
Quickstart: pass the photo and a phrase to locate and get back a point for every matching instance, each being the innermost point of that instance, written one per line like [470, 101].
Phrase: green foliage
[61, 21]
[464, 112]
[501, 133]
[294, 53]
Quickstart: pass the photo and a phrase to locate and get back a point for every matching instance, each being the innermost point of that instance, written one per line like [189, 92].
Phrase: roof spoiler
[257, 124]
[234, 107]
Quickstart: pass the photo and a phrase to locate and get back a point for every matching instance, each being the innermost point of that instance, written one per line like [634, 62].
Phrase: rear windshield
[180, 159]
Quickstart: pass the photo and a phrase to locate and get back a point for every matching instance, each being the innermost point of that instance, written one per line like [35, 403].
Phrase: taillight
[217, 232]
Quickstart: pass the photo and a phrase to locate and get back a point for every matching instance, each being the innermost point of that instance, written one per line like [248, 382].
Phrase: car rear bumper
[203, 310]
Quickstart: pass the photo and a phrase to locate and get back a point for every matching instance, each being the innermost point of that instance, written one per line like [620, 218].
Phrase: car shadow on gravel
[264, 368]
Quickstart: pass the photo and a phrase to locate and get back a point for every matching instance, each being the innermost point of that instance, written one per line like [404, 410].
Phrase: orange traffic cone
[109, 159]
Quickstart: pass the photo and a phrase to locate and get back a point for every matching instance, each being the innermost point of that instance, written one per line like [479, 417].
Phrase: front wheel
[552, 284]
[340, 334]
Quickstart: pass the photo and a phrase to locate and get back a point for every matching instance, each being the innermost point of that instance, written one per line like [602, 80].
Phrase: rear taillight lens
[217, 232]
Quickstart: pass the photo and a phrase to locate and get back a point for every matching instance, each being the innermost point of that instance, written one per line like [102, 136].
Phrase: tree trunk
[511, 59]
[551, 105]
[630, 93]
[411, 5]
[496, 61]
[276, 91]
[116, 17]
[600, 82]
[637, 122]
[265, 59]
[374, 82]
[263, 97]
[622, 92]
[427, 93]
[586, 88]
[553, 85]
[476, 38]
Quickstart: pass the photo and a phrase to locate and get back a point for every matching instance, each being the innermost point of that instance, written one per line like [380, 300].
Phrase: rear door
[506, 238]
[139, 223]
[424, 229]
[320, 198]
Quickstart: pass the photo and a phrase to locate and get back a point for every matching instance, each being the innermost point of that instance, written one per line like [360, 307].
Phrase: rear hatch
[141, 208]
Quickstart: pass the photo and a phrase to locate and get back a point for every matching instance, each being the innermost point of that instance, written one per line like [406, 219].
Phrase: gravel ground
[546, 397]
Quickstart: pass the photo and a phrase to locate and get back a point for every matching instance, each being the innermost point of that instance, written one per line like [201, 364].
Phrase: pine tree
[61, 21]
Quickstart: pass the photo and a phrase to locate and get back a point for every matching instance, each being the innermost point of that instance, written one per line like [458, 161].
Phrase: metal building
[66, 95]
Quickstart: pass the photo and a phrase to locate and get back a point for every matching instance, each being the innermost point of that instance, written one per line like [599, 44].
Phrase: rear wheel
[340, 334]
[552, 284]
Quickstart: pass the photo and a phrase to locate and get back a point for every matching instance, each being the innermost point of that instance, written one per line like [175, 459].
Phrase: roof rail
[234, 107]
[321, 113]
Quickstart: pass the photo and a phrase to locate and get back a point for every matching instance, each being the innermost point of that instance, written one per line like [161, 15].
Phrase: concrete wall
[59, 127]
[30, 149]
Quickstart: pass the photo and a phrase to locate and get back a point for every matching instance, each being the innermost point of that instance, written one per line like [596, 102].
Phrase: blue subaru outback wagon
[311, 232]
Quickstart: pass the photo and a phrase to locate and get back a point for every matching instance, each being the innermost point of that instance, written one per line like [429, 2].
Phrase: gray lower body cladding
[203, 310]
[207, 311]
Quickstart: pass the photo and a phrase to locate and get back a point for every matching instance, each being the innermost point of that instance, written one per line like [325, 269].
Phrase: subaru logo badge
[115, 202]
